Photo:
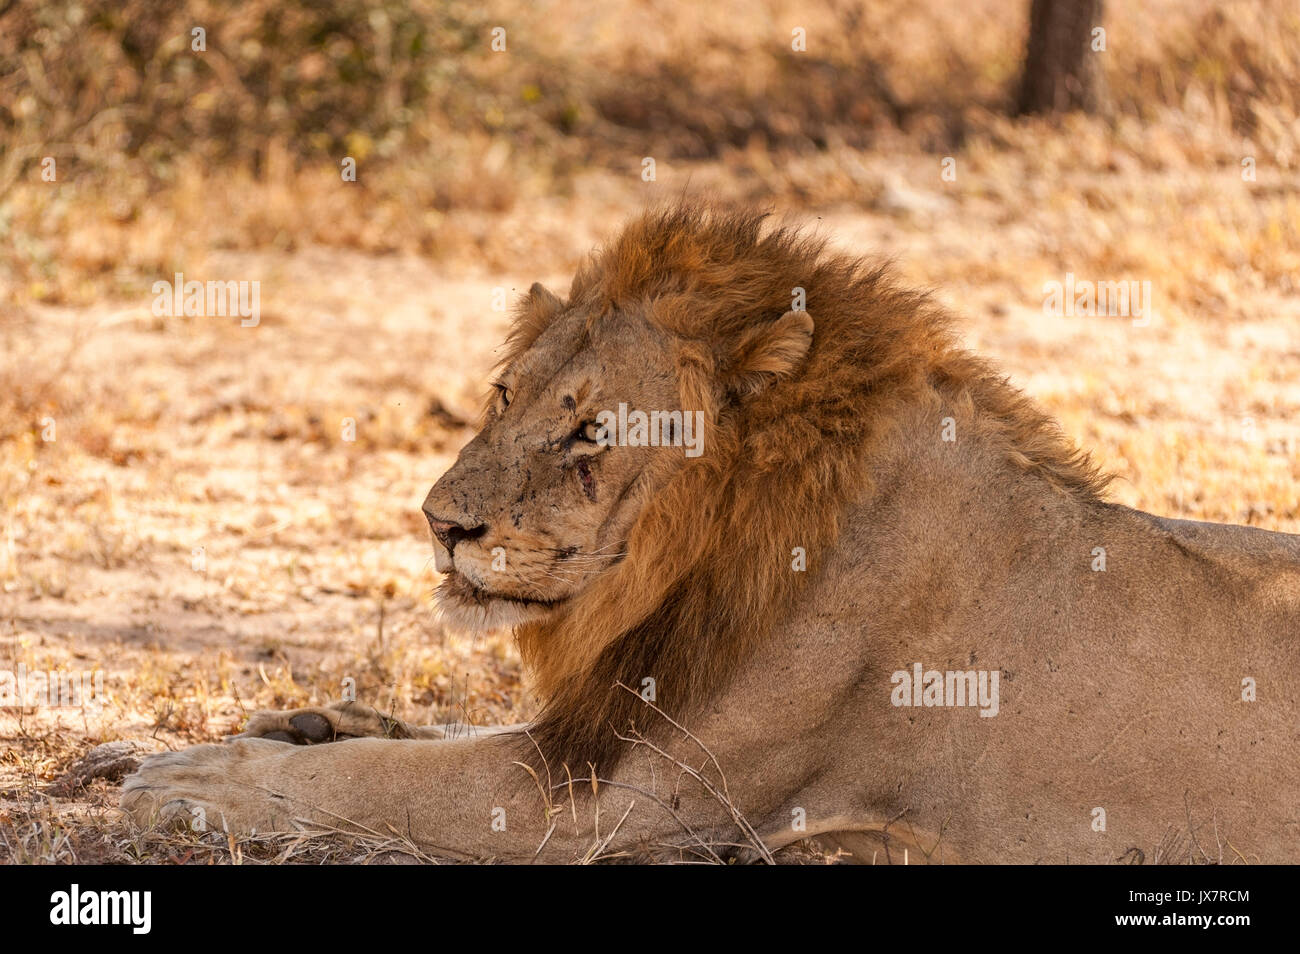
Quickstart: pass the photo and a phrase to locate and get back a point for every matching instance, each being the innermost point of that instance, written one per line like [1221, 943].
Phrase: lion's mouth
[458, 586]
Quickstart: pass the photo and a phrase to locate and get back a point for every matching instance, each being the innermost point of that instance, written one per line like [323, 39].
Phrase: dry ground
[200, 530]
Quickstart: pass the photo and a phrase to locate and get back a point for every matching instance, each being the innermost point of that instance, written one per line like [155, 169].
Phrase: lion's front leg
[466, 797]
[254, 785]
[463, 797]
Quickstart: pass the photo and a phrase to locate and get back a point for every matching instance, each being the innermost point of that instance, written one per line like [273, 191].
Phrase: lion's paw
[316, 725]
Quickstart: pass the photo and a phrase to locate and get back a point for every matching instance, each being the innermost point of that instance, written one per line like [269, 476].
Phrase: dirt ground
[221, 519]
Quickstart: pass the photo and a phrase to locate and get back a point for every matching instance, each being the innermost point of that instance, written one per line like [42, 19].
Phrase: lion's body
[871, 498]
[1120, 689]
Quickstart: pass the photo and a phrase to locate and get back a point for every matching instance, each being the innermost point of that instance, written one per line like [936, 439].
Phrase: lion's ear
[544, 300]
[767, 353]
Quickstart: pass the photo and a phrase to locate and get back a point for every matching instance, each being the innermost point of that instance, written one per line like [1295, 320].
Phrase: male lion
[884, 603]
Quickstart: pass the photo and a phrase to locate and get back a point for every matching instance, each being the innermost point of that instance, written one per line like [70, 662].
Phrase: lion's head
[599, 402]
[541, 501]
[617, 560]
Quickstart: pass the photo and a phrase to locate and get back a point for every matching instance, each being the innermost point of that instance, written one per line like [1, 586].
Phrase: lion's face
[540, 502]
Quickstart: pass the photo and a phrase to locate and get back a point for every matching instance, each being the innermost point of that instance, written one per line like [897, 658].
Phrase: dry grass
[480, 172]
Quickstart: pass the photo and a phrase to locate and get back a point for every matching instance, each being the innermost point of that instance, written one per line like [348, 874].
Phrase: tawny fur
[708, 561]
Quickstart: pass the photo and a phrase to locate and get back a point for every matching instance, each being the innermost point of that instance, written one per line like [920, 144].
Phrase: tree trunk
[1062, 70]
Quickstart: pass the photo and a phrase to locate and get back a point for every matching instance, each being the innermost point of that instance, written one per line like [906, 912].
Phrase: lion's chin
[462, 606]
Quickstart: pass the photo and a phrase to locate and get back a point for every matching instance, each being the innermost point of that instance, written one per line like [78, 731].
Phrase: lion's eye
[589, 431]
[507, 395]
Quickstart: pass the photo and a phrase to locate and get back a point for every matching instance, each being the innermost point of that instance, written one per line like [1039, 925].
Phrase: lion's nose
[450, 533]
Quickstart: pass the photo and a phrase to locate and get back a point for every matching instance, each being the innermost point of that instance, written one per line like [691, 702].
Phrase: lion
[879, 600]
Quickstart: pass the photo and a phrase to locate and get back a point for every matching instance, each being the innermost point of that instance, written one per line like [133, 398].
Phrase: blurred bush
[163, 151]
[341, 77]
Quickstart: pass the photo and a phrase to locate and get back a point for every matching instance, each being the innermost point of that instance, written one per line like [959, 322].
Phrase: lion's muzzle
[446, 534]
